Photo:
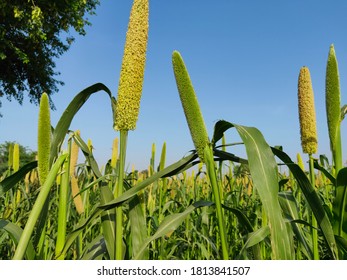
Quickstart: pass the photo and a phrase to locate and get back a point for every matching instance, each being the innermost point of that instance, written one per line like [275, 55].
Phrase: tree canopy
[32, 34]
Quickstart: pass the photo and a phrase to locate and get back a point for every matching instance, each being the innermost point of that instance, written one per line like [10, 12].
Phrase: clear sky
[243, 57]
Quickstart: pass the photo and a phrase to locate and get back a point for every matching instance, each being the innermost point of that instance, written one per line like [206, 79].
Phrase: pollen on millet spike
[133, 67]
[307, 114]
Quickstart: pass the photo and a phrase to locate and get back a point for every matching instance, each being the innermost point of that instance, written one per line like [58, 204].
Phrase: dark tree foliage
[33, 34]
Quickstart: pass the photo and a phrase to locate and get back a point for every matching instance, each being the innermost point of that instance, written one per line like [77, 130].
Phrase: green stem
[211, 172]
[162, 187]
[314, 221]
[35, 212]
[118, 192]
[62, 208]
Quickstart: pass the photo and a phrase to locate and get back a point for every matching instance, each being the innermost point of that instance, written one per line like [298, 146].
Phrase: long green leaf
[325, 172]
[108, 220]
[264, 173]
[65, 120]
[219, 129]
[138, 227]
[15, 233]
[223, 155]
[170, 224]
[246, 224]
[88, 154]
[313, 200]
[178, 166]
[11, 181]
[243, 220]
[255, 238]
[339, 204]
[291, 212]
[37, 208]
[162, 173]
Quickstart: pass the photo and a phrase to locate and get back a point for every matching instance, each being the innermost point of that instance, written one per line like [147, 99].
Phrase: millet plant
[228, 207]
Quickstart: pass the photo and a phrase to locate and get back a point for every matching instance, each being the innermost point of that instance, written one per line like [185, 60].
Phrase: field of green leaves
[210, 205]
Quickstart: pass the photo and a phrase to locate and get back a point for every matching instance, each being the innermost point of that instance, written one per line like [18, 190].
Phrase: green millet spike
[190, 105]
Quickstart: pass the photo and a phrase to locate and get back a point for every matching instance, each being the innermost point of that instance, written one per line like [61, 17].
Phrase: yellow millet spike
[133, 67]
[114, 153]
[10, 156]
[76, 197]
[300, 161]
[26, 182]
[74, 155]
[307, 114]
[44, 138]
[15, 157]
[74, 180]
[90, 145]
[190, 105]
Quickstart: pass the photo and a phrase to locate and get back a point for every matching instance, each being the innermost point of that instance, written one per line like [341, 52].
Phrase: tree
[32, 34]
[26, 155]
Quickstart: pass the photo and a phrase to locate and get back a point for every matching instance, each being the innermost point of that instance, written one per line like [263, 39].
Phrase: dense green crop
[209, 205]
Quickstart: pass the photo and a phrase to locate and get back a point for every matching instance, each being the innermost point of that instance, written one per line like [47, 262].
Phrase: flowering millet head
[332, 97]
[133, 67]
[44, 138]
[307, 114]
[190, 105]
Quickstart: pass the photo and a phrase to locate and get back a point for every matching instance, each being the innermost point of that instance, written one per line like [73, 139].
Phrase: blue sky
[243, 57]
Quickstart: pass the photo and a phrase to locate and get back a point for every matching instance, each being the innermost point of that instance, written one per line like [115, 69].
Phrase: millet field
[211, 204]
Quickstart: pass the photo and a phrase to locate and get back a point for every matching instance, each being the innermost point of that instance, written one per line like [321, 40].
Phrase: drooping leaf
[15, 233]
[243, 220]
[313, 200]
[263, 168]
[255, 238]
[88, 154]
[325, 172]
[65, 120]
[11, 181]
[223, 155]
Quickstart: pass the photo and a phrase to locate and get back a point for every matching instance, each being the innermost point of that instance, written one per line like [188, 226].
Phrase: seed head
[133, 66]
[190, 105]
[15, 157]
[114, 158]
[10, 155]
[307, 114]
[74, 155]
[300, 161]
[44, 138]
[332, 97]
